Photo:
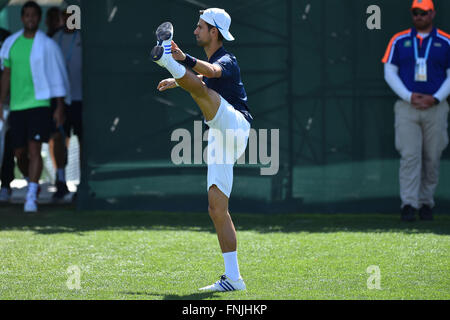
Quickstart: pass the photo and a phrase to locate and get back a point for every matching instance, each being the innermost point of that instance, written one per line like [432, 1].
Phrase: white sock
[177, 70]
[32, 191]
[231, 265]
[61, 175]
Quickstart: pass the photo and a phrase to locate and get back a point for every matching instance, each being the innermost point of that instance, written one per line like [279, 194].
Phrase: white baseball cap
[220, 19]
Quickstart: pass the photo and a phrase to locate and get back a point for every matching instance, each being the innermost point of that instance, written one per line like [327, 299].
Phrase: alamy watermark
[227, 147]
[74, 280]
[374, 20]
[74, 20]
[374, 280]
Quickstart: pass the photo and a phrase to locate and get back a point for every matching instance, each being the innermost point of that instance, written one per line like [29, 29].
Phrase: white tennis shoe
[225, 284]
[163, 49]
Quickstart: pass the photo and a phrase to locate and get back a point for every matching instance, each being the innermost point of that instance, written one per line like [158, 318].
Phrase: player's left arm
[209, 70]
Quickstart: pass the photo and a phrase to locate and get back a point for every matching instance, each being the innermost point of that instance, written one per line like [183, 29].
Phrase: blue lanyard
[427, 53]
[70, 53]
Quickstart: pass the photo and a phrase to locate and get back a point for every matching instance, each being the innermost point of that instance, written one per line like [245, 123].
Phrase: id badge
[421, 70]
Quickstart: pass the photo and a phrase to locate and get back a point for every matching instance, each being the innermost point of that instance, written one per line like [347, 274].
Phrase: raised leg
[208, 100]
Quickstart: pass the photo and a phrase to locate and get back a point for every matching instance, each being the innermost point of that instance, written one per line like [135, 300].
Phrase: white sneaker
[163, 49]
[30, 206]
[225, 284]
[5, 194]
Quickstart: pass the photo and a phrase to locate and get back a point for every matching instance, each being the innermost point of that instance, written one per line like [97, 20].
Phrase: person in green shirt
[30, 119]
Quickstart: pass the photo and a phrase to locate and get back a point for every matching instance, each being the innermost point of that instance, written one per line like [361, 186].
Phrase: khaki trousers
[420, 138]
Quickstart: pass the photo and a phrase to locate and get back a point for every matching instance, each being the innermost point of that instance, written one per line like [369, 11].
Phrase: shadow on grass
[193, 296]
[65, 219]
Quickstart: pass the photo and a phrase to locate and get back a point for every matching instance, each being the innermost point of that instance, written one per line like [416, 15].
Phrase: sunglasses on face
[420, 13]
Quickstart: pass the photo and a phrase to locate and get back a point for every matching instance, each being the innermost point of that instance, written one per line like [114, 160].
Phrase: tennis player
[218, 90]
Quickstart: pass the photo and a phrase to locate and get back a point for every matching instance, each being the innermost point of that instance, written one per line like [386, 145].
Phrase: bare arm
[207, 69]
[204, 68]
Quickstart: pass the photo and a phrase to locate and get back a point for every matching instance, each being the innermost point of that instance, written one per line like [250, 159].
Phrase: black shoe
[426, 213]
[408, 213]
[61, 191]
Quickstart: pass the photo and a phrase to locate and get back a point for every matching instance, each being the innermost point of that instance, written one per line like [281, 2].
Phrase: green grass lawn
[153, 255]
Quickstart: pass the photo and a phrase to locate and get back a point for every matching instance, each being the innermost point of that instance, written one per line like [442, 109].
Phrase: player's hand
[177, 54]
[167, 84]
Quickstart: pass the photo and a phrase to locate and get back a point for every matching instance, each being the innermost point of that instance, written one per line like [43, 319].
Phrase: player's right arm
[209, 70]
[4, 89]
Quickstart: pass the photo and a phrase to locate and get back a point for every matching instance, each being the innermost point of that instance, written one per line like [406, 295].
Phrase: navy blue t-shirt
[400, 52]
[229, 85]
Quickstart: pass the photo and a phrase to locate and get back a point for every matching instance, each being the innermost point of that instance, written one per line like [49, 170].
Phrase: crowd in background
[40, 99]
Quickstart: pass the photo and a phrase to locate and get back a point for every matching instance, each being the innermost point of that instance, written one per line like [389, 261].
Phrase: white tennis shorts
[227, 141]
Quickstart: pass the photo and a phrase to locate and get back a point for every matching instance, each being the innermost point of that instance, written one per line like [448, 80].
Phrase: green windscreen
[311, 69]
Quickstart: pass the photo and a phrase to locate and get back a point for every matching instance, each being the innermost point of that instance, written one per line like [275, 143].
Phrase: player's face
[202, 34]
[31, 19]
[422, 19]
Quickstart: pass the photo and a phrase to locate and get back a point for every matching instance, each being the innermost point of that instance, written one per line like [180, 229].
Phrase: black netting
[311, 69]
